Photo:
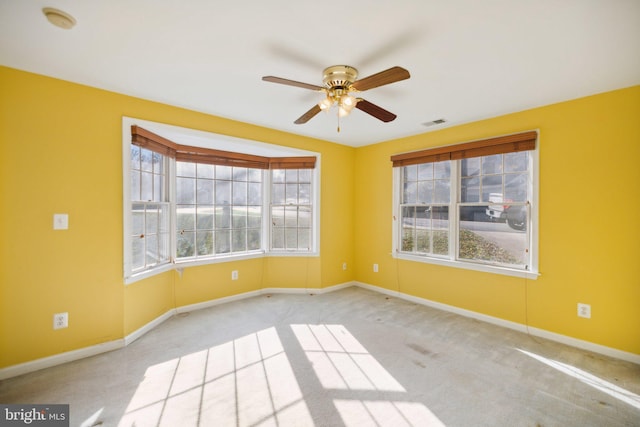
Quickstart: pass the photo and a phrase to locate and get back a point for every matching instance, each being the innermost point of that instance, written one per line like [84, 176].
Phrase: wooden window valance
[500, 145]
[157, 143]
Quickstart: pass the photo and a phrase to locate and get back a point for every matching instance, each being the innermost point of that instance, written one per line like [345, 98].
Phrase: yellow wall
[589, 223]
[61, 152]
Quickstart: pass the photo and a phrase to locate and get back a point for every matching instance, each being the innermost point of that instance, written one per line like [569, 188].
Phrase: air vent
[434, 122]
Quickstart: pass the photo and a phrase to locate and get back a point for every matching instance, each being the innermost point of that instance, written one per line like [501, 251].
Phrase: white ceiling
[468, 59]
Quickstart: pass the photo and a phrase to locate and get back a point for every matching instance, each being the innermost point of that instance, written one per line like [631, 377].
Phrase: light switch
[60, 221]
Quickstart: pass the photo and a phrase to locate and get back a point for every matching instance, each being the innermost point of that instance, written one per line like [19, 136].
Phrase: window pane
[304, 216]
[423, 216]
[442, 170]
[146, 158]
[152, 250]
[239, 174]
[304, 238]
[291, 216]
[277, 216]
[135, 185]
[492, 164]
[492, 188]
[425, 171]
[158, 188]
[205, 171]
[425, 192]
[278, 194]
[470, 167]
[253, 239]
[185, 242]
[254, 216]
[204, 188]
[255, 175]
[277, 175]
[304, 194]
[408, 240]
[223, 241]
[157, 163]
[291, 175]
[239, 217]
[223, 172]
[410, 194]
[423, 241]
[164, 246]
[135, 157]
[410, 173]
[137, 216]
[205, 218]
[204, 241]
[277, 238]
[291, 193]
[516, 162]
[186, 190]
[223, 217]
[239, 240]
[137, 252]
[441, 242]
[223, 193]
[185, 218]
[291, 238]
[146, 186]
[515, 187]
[239, 193]
[304, 175]
[442, 193]
[151, 220]
[255, 194]
[185, 169]
[408, 216]
[470, 190]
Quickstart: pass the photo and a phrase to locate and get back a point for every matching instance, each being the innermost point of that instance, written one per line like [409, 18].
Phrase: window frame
[276, 157]
[452, 259]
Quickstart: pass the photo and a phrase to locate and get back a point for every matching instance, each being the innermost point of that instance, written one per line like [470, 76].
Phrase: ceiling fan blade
[377, 112]
[308, 115]
[288, 82]
[392, 75]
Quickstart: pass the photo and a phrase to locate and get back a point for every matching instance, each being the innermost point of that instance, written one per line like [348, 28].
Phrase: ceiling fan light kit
[340, 81]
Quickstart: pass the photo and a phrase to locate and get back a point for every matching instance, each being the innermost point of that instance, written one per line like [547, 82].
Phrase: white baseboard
[552, 336]
[217, 301]
[59, 359]
[148, 327]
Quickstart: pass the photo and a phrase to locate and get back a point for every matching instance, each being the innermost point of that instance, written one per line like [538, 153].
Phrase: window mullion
[454, 189]
[171, 196]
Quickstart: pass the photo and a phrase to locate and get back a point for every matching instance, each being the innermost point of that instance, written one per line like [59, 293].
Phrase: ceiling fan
[340, 82]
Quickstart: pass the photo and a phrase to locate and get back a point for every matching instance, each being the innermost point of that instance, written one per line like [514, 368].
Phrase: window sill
[214, 260]
[148, 273]
[505, 271]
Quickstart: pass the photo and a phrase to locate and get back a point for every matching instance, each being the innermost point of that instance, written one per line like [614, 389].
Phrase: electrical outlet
[375, 268]
[344, 265]
[60, 320]
[584, 310]
[60, 221]
[234, 275]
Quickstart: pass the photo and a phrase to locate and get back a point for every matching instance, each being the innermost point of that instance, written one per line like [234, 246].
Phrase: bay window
[189, 204]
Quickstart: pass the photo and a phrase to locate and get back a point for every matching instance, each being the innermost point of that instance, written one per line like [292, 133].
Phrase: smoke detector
[59, 18]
